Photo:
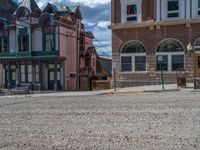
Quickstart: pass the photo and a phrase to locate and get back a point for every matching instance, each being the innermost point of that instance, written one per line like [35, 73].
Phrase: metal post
[161, 71]
[114, 71]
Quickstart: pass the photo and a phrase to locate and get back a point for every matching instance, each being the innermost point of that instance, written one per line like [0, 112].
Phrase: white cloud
[103, 24]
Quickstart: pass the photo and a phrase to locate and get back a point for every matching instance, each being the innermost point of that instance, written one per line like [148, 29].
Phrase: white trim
[133, 55]
[170, 54]
[164, 10]
[124, 15]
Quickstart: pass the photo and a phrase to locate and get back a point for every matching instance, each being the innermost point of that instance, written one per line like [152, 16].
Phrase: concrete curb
[144, 91]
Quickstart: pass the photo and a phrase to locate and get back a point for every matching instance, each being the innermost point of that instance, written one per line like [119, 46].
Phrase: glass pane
[13, 76]
[51, 66]
[58, 75]
[30, 77]
[29, 68]
[12, 67]
[163, 64]
[24, 43]
[22, 68]
[51, 76]
[131, 10]
[140, 63]
[177, 62]
[134, 18]
[37, 69]
[126, 63]
[23, 78]
[133, 47]
[198, 3]
[37, 78]
[49, 42]
[173, 5]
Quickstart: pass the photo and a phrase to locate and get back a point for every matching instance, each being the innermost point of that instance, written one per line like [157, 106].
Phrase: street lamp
[160, 60]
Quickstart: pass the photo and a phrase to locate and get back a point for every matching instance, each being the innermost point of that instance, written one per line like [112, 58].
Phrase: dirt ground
[153, 121]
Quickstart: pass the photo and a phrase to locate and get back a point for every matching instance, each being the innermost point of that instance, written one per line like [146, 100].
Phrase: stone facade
[151, 31]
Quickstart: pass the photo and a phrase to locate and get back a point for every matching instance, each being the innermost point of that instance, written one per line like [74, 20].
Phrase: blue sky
[96, 16]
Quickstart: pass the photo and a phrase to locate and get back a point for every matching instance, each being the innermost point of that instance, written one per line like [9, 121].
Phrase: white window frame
[133, 55]
[124, 16]
[181, 11]
[174, 11]
[169, 54]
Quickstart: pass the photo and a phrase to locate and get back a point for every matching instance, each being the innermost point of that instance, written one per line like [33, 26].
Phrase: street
[148, 121]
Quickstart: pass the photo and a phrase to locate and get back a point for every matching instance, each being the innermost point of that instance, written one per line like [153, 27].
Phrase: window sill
[137, 72]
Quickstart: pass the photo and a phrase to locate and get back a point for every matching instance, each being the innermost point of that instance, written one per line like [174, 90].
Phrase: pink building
[46, 49]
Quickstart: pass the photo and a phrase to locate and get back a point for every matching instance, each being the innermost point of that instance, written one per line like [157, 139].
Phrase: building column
[158, 9]
[9, 76]
[188, 9]
[17, 74]
[55, 76]
[139, 5]
[40, 75]
[33, 76]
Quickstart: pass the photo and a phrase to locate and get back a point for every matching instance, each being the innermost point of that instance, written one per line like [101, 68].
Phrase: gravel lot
[153, 121]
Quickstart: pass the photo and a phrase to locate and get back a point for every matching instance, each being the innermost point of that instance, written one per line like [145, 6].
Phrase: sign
[160, 58]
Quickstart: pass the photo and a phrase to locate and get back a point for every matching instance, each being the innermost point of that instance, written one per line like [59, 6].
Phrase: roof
[31, 5]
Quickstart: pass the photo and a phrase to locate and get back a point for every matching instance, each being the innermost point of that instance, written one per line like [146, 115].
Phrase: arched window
[133, 57]
[170, 55]
[48, 33]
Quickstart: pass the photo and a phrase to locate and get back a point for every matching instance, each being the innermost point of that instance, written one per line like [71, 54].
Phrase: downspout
[78, 58]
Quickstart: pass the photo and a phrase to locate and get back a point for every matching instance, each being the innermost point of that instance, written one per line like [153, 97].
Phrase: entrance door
[51, 79]
[197, 71]
[13, 78]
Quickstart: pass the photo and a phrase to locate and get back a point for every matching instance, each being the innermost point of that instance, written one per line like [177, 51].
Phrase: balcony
[28, 54]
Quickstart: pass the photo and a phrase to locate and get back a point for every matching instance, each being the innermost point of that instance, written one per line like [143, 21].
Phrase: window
[126, 63]
[48, 35]
[37, 73]
[133, 57]
[140, 63]
[172, 53]
[131, 12]
[22, 73]
[198, 7]
[177, 62]
[3, 38]
[173, 8]
[163, 64]
[29, 70]
[23, 40]
[26, 73]
[3, 44]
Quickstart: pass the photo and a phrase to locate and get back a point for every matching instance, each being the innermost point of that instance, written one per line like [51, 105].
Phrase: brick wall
[151, 38]
[147, 10]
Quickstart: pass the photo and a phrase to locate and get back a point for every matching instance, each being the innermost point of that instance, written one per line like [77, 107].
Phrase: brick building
[145, 30]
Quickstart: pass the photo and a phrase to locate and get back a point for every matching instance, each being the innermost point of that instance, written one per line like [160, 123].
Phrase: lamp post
[160, 60]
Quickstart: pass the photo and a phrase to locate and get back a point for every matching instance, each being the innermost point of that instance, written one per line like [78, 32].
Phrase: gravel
[151, 121]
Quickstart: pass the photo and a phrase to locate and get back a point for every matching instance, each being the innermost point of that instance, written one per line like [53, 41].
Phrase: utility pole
[115, 85]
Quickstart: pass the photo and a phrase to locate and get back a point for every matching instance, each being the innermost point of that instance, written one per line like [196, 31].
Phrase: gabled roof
[31, 5]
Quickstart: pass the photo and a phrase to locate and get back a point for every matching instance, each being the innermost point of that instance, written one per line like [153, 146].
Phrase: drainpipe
[78, 58]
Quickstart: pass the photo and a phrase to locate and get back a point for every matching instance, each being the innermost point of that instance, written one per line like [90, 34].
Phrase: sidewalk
[127, 90]
[149, 88]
